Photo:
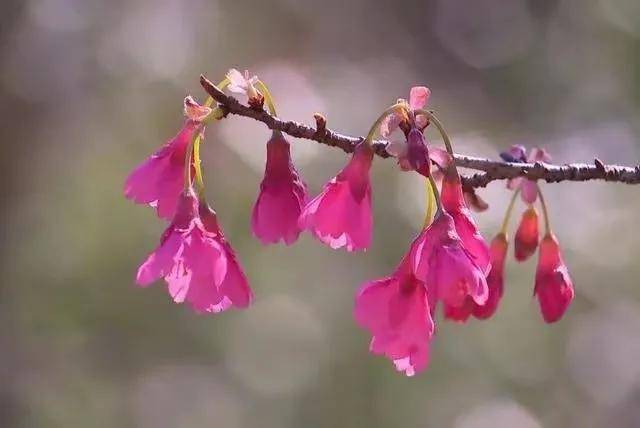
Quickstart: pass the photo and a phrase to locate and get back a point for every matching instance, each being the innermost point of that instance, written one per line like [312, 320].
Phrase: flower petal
[389, 124]
[440, 157]
[419, 97]
[237, 83]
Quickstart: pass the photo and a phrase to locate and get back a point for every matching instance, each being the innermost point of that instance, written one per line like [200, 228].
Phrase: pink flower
[554, 287]
[454, 203]
[528, 188]
[396, 311]
[159, 180]
[418, 98]
[414, 153]
[340, 216]
[495, 285]
[495, 279]
[446, 266]
[196, 261]
[243, 84]
[282, 196]
[526, 240]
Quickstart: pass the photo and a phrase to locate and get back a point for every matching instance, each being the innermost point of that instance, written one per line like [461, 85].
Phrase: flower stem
[431, 203]
[267, 97]
[216, 114]
[445, 137]
[196, 163]
[545, 213]
[436, 195]
[187, 158]
[223, 84]
[507, 214]
[402, 106]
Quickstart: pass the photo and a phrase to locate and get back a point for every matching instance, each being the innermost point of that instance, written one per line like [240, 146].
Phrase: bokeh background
[90, 88]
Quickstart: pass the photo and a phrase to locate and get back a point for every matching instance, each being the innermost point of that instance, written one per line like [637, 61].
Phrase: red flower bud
[554, 287]
[526, 240]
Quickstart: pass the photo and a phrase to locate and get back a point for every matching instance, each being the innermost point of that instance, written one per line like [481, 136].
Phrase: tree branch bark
[492, 169]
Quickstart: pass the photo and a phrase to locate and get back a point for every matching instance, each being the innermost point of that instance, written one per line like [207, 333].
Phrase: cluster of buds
[448, 262]
[553, 286]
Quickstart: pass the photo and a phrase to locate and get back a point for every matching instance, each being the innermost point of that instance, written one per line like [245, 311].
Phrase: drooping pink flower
[526, 240]
[282, 196]
[441, 260]
[340, 216]
[528, 188]
[395, 310]
[159, 180]
[415, 154]
[495, 286]
[454, 203]
[495, 279]
[196, 261]
[554, 287]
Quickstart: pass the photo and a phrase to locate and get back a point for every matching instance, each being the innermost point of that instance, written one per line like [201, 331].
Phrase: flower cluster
[194, 257]
[448, 263]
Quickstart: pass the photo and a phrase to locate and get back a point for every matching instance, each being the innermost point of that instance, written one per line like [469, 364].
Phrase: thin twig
[493, 169]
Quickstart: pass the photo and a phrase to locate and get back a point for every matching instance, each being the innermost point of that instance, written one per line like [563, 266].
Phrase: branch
[493, 170]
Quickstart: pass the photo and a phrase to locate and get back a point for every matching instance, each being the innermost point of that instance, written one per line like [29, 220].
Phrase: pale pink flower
[159, 180]
[242, 84]
[282, 196]
[196, 261]
[395, 310]
[340, 216]
[554, 287]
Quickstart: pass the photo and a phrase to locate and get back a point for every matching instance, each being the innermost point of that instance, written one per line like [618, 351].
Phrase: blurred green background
[90, 88]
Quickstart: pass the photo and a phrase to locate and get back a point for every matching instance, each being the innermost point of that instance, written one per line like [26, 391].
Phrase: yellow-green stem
[268, 98]
[507, 214]
[196, 163]
[545, 213]
[436, 195]
[387, 112]
[431, 203]
[223, 84]
[445, 137]
[187, 158]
